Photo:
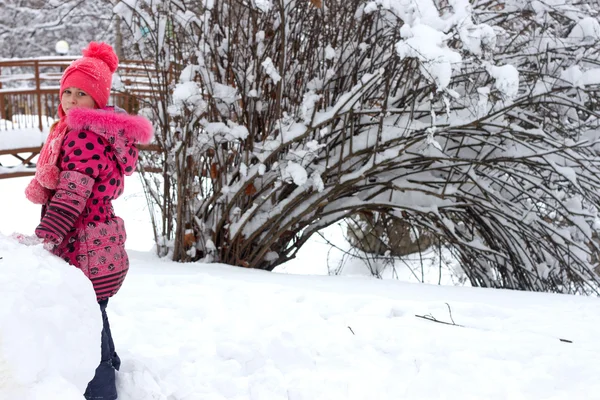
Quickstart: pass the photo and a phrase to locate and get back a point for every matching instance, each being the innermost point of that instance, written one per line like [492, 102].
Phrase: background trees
[31, 28]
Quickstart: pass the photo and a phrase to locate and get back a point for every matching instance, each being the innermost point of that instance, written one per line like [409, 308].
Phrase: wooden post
[2, 109]
[118, 38]
[38, 94]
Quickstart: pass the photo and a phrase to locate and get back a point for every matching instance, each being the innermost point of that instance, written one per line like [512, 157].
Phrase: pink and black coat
[96, 154]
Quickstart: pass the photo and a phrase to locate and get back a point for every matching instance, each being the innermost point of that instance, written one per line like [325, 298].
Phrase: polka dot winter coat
[97, 152]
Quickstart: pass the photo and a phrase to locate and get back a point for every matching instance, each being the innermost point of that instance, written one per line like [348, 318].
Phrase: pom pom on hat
[104, 52]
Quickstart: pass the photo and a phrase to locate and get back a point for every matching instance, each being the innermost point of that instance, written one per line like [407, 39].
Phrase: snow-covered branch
[475, 122]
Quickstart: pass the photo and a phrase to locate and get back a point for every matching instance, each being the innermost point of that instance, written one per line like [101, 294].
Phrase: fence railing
[29, 99]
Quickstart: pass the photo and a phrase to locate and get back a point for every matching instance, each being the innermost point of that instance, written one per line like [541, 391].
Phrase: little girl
[80, 170]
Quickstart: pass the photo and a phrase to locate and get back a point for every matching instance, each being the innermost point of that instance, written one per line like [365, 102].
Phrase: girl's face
[73, 97]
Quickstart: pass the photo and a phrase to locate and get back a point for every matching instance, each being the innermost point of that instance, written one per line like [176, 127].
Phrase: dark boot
[103, 386]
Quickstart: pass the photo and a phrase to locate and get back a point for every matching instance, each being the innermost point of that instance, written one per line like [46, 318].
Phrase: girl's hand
[33, 240]
[27, 240]
[49, 245]
[47, 237]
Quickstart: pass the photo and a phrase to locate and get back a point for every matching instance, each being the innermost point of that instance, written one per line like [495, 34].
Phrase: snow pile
[210, 331]
[50, 325]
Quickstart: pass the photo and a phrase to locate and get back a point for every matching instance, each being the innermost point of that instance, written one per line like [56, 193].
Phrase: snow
[231, 131]
[506, 79]
[476, 38]
[308, 105]
[22, 131]
[271, 70]
[572, 75]
[226, 94]
[50, 324]
[187, 94]
[428, 46]
[578, 78]
[263, 5]
[329, 52]
[296, 173]
[187, 331]
[188, 73]
[370, 7]
[125, 10]
[588, 29]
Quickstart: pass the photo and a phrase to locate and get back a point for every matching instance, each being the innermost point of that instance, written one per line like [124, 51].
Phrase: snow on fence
[29, 99]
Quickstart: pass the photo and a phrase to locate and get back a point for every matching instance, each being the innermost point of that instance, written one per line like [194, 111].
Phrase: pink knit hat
[92, 73]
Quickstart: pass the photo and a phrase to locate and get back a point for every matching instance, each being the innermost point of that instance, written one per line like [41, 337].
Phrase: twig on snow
[431, 318]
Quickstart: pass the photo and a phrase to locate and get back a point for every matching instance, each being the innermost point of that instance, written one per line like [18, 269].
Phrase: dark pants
[103, 385]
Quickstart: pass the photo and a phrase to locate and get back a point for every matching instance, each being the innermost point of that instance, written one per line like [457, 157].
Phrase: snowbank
[50, 325]
[213, 332]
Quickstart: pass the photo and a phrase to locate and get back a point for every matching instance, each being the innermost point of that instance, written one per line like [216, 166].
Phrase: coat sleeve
[80, 166]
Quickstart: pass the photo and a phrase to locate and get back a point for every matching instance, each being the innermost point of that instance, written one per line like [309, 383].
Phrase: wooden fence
[29, 99]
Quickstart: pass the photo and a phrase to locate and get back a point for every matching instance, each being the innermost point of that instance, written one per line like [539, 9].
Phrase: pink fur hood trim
[109, 123]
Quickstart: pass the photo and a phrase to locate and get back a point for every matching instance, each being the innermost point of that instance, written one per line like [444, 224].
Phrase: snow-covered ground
[197, 331]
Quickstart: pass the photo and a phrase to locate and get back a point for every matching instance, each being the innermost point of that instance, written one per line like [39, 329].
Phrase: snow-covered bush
[475, 121]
